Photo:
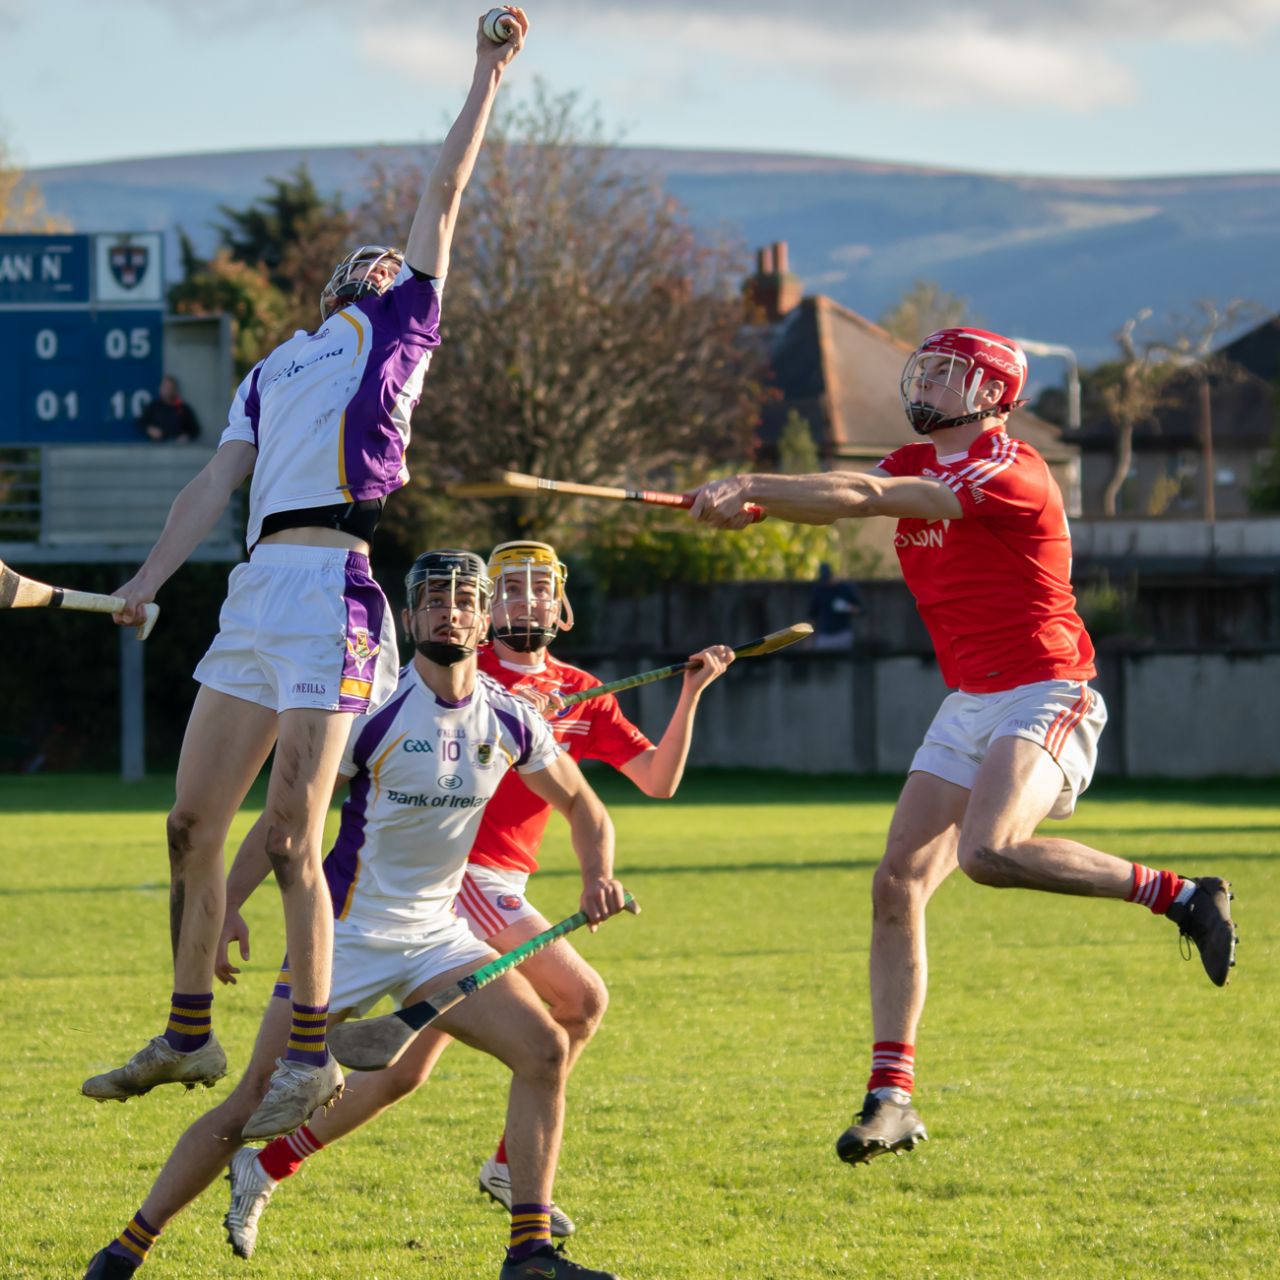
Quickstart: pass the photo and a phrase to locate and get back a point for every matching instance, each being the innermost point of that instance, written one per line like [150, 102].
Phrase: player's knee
[182, 829]
[986, 865]
[895, 895]
[581, 1011]
[287, 853]
[546, 1057]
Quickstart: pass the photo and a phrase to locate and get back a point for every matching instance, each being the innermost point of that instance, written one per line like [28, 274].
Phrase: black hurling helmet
[351, 277]
[448, 569]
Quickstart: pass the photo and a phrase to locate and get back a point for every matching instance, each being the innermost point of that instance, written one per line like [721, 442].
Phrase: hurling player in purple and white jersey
[419, 773]
[306, 640]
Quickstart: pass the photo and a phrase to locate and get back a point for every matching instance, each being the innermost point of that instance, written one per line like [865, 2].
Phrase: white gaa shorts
[368, 966]
[304, 627]
[1064, 716]
[491, 899]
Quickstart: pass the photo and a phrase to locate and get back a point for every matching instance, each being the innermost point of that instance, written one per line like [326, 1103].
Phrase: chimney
[773, 289]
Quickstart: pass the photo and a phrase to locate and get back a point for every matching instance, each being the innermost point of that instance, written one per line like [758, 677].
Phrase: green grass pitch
[1097, 1109]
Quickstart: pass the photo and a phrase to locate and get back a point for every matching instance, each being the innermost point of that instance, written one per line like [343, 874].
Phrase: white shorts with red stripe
[1065, 717]
[491, 899]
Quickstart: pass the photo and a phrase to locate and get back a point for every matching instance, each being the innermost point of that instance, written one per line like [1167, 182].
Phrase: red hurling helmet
[962, 360]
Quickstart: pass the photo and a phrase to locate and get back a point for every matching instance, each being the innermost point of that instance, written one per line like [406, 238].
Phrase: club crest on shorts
[359, 646]
[128, 263]
[509, 901]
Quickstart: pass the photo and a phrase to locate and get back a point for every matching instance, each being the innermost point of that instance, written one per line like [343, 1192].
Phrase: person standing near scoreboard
[983, 542]
[305, 640]
[531, 607]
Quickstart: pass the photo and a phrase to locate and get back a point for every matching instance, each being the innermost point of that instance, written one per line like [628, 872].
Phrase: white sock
[890, 1094]
[1184, 894]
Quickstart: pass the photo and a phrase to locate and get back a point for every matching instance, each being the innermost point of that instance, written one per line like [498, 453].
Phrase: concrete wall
[1171, 715]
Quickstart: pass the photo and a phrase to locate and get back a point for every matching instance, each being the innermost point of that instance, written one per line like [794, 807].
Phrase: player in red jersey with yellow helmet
[984, 547]
[530, 607]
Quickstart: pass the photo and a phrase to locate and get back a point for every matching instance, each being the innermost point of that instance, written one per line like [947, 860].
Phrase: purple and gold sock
[306, 1035]
[135, 1241]
[530, 1230]
[190, 1021]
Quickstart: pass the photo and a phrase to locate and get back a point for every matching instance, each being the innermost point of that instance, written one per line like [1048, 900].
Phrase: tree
[260, 313]
[636, 552]
[923, 309]
[1130, 391]
[589, 333]
[1156, 374]
[21, 200]
[269, 232]
[1192, 350]
[274, 258]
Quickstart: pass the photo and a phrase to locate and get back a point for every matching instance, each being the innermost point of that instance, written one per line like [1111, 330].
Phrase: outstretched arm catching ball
[431, 235]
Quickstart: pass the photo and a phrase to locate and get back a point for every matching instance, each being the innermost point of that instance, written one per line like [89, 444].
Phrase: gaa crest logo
[128, 263]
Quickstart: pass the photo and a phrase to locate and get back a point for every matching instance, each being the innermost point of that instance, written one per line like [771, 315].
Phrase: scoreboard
[81, 336]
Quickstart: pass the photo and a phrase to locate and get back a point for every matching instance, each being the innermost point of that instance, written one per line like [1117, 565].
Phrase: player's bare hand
[710, 664]
[546, 704]
[233, 928]
[136, 593]
[498, 55]
[601, 899]
[723, 504]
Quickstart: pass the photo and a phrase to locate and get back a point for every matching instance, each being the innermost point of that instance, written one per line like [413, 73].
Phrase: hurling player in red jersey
[983, 543]
[530, 608]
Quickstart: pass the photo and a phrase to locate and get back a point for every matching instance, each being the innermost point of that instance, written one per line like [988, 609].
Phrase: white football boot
[250, 1191]
[157, 1062]
[297, 1089]
[495, 1182]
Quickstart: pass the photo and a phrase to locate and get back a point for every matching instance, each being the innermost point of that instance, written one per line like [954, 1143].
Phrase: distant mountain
[1058, 259]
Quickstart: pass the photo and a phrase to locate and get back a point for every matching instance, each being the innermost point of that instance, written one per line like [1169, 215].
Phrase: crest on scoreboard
[128, 267]
[128, 263]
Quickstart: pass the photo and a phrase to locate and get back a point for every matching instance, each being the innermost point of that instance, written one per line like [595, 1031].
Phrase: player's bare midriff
[315, 536]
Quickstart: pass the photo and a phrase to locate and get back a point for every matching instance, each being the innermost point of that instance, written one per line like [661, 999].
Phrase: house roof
[841, 371]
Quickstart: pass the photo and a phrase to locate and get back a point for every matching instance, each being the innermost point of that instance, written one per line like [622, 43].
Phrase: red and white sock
[500, 1156]
[893, 1070]
[282, 1157]
[1158, 890]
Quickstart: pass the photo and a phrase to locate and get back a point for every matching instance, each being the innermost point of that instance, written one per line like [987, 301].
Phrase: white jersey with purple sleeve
[421, 772]
[329, 411]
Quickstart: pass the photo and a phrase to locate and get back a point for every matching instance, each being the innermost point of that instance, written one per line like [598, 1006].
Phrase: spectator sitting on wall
[832, 608]
[169, 416]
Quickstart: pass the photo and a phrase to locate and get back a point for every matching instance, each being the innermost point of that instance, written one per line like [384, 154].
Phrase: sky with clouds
[1079, 87]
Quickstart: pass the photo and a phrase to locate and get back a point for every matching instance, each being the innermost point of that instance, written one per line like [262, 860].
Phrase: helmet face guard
[444, 584]
[353, 277]
[530, 605]
[961, 361]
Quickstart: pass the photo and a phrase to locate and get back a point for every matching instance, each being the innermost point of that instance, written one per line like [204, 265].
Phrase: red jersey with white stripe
[994, 588]
[510, 832]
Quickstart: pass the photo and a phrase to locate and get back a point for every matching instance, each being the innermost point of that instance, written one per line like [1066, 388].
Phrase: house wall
[1170, 715]
[1168, 482]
